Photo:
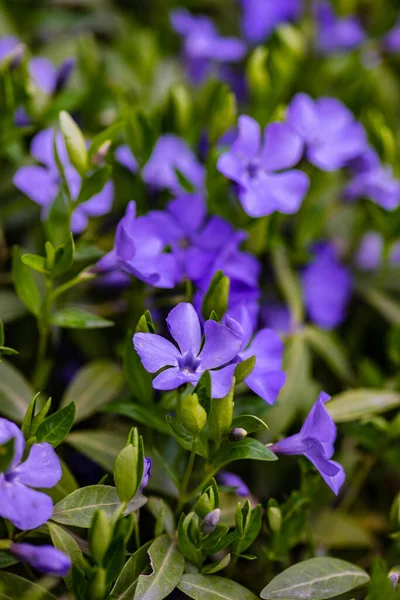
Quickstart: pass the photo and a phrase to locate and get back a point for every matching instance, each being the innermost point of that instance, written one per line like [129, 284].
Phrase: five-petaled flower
[260, 168]
[187, 363]
[44, 559]
[337, 34]
[261, 17]
[25, 507]
[316, 441]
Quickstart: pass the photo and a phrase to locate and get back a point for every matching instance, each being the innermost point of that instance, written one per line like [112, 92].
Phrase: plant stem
[186, 476]
[43, 326]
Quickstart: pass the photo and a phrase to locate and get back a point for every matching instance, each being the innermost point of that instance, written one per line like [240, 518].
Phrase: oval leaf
[55, 428]
[15, 393]
[67, 544]
[207, 587]
[125, 585]
[315, 579]
[167, 564]
[245, 449]
[360, 404]
[76, 318]
[100, 446]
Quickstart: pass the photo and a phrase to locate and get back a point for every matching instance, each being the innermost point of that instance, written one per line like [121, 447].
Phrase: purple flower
[146, 473]
[261, 17]
[267, 377]
[44, 559]
[172, 154]
[391, 41]
[256, 167]
[327, 286]
[25, 507]
[374, 181]
[7, 45]
[42, 183]
[124, 155]
[203, 46]
[277, 316]
[337, 34]
[370, 256]
[139, 251]
[316, 441]
[331, 134]
[188, 363]
[233, 481]
[47, 77]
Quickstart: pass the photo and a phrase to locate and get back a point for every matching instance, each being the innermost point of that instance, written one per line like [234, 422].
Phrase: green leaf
[38, 263]
[6, 454]
[66, 543]
[74, 142]
[222, 112]
[11, 308]
[146, 415]
[110, 133]
[249, 422]
[251, 530]
[24, 283]
[63, 257]
[207, 587]
[331, 351]
[15, 393]
[58, 219]
[76, 318]
[101, 446]
[245, 449]
[141, 134]
[167, 564]
[384, 304]
[335, 529]
[77, 509]
[184, 438]
[125, 585]
[244, 369]
[288, 283]
[13, 586]
[217, 566]
[94, 183]
[55, 428]
[163, 514]
[94, 386]
[139, 380]
[354, 405]
[216, 297]
[315, 579]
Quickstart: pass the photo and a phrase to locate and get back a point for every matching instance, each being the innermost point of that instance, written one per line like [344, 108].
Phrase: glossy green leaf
[15, 393]
[13, 586]
[77, 509]
[216, 297]
[244, 369]
[249, 422]
[146, 415]
[66, 543]
[354, 405]
[167, 569]
[24, 283]
[94, 386]
[126, 583]
[184, 438]
[217, 566]
[63, 257]
[101, 446]
[315, 579]
[76, 318]
[35, 262]
[6, 454]
[163, 514]
[248, 448]
[208, 587]
[54, 429]
[94, 183]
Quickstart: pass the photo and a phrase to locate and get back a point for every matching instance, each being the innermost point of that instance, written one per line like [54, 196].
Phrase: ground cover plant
[199, 299]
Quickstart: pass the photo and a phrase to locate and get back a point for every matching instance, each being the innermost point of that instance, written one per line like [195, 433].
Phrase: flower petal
[184, 326]
[319, 424]
[124, 156]
[331, 471]
[44, 559]
[38, 183]
[189, 211]
[100, 204]
[247, 144]
[302, 116]
[221, 345]
[282, 147]
[231, 165]
[25, 508]
[43, 73]
[221, 381]
[170, 379]
[41, 469]
[155, 351]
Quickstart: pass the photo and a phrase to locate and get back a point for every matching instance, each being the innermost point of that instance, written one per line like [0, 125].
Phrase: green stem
[356, 485]
[186, 476]
[43, 326]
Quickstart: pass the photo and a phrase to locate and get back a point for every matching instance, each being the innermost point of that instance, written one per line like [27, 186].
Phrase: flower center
[184, 243]
[188, 363]
[253, 169]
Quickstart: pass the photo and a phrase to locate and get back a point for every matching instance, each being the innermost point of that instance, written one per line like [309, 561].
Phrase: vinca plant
[199, 299]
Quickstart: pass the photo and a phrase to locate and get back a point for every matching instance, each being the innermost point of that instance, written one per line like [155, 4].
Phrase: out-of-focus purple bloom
[188, 363]
[203, 46]
[369, 256]
[233, 481]
[391, 41]
[47, 77]
[146, 473]
[42, 183]
[261, 17]
[139, 251]
[256, 167]
[172, 154]
[327, 286]
[7, 45]
[277, 316]
[337, 34]
[267, 377]
[316, 441]
[374, 181]
[25, 507]
[44, 559]
[124, 155]
[331, 134]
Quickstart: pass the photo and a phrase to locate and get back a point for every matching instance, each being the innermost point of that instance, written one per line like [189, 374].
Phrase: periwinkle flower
[327, 286]
[203, 46]
[210, 521]
[47, 77]
[260, 168]
[42, 183]
[370, 252]
[261, 17]
[316, 442]
[337, 34]
[391, 41]
[44, 559]
[187, 363]
[146, 473]
[25, 507]
[329, 130]
[232, 480]
[169, 155]
[125, 157]
[7, 45]
[275, 315]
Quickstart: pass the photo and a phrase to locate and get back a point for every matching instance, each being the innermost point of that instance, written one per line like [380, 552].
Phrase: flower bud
[125, 472]
[99, 536]
[274, 515]
[221, 415]
[210, 521]
[64, 73]
[14, 58]
[44, 559]
[146, 473]
[237, 434]
[206, 503]
[74, 142]
[101, 153]
[192, 414]
[98, 585]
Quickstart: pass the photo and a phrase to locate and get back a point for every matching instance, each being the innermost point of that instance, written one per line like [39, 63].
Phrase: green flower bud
[192, 414]
[274, 516]
[99, 536]
[223, 113]
[237, 434]
[257, 73]
[221, 415]
[179, 108]
[216, 297]
[98, 585]
[129, 467]
[74, 142]
[210, 521]
[206, 503]
[101, 153]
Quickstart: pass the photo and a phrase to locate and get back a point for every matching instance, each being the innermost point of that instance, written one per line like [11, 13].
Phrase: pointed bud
[205, 504]
[274, 515]
[14, 58]
[210, 521]
[64, 73]
[99, 536]
[237, 434]
[192, 414]
[98, 585]
[101, 153]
